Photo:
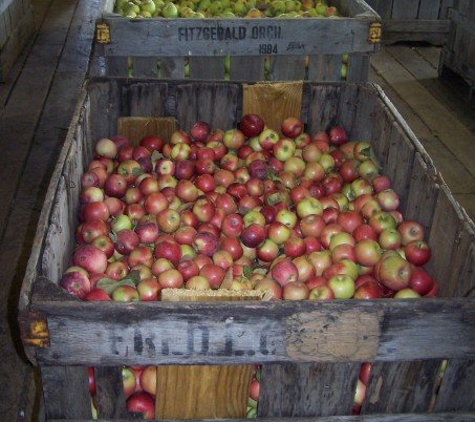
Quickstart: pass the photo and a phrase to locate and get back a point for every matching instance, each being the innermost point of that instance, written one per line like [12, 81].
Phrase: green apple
[148, 6]
[170, 11]
[342, 286]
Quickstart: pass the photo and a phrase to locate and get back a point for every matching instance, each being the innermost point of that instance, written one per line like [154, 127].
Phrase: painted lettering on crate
[189, 339]
[237, 33]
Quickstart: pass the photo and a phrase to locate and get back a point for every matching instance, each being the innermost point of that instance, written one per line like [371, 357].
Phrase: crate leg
[65, 392]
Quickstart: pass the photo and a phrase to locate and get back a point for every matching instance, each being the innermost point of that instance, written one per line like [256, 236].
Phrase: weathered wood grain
[110, 396]
[298, 390]
[65, 392]
[401, 387]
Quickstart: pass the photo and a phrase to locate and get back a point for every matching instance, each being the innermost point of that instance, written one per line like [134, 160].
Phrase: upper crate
[240, 49]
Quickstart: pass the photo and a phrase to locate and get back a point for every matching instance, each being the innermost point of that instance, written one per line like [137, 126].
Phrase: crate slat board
[17, 26]
[256, 49]
[413, 20]
[458, 54]
[405, 339]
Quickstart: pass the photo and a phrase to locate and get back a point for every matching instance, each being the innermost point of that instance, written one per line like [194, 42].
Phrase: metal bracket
[375, 31]
[34, 330]
[103, 35]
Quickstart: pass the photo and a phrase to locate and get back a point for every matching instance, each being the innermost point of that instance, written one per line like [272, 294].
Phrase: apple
[284, 272]
[200, 131]
[105, 147]
[289, 218]
[171, 278]
[410, 230]
[406, 293]
[90, 258]
[142, 402]
[417, 252]
[148, 289]
[125, 293]
[204, 209]
[148, 380]
[421, 281]
[169, 249]
[388, 199]
[253, 235]
[342, 286]
[367, 252]
[268, 138]
[251, 125]
[117, 270]
[291, 127]
[321, 293]
[368, 290]
[128, 380]
[337, 135]
[76, 283]
[394, 272]
[295, 290]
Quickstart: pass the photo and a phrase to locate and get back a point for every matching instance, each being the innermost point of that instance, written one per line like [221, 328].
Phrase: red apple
[417, 252]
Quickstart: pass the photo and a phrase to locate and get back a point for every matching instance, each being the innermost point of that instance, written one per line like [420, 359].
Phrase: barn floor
[36, 105]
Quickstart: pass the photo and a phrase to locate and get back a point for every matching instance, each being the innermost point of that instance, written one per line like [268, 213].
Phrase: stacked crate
[414, 20]
[17, 25]
[310, 351]
[458, 53]
[258, 49]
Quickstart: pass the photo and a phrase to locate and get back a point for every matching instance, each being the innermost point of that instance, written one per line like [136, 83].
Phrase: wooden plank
[382, 7]
[110, 398]
[247, 68]
[358, 68]
[429, 9]
[453, 134]
[287, 68]
[444, 230]
[401, 387]
[65, 392]
[145, 67]
[171, 67]
[202, 391]
[422, 195]
[405, 9]
[290, 390]
[196, 333]
[248, 37]
[206, 67]
[325, 68]
[456, 392]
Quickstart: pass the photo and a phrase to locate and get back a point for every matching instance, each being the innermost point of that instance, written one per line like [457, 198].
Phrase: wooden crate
[290, 49]
[310, 351]
[413, 20]
[17, 25]
[458, 53]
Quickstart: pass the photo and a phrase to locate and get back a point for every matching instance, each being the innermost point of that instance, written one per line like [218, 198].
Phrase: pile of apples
[225, 9]
[140, 389]
[301, 216]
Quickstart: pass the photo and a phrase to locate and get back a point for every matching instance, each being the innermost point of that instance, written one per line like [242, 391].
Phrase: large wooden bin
[17, 25]
[458, 53]
[414, 20]
[259, 49]
[310, 351]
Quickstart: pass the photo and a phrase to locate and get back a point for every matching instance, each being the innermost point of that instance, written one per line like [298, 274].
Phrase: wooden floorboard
[443, 122]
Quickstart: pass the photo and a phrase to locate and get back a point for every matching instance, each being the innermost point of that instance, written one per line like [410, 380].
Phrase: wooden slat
[65, 392]
[325, 67]
[287, 68]
[247, 68]
[444, 230]
[422, 194]
[264, 332]
[135, 128]
[401, 387]
[202, 391]
[358, 68]
[456, 392]
[171, 67]
[290, 390]
[206, 68]
[110, 399]
[144, 67]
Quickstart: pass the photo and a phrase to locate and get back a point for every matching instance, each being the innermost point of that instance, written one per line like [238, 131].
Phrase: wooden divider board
[212, 391]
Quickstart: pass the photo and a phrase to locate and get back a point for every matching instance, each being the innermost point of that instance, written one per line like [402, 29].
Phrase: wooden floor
[36, 105]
